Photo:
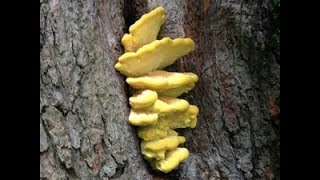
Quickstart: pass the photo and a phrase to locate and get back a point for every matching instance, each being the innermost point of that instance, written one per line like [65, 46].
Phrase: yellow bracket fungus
[145, 30]
[148, 133]
[143, 99]
[172, 160]
[150, 155]
[180, 120]
[166, 105]
[167, 143]
[155, 108]
[175, 92]
[149, 100]
[141, 118]
[165, 83]
[163, 127]
[154, 56]
[157, 148]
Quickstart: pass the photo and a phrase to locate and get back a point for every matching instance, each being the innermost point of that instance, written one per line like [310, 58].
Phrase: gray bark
[84, 129]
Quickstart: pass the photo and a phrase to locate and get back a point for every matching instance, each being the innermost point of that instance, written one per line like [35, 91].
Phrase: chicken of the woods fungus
[155, 106]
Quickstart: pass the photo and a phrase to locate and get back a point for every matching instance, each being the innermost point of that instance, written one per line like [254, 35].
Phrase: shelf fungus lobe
[165, 83]
[141, 118]
[148, 133]
[157, 148]
[172, 160]
[167, 143]
[145, 30]
[143, 99]
[148, 100]
[154, 56]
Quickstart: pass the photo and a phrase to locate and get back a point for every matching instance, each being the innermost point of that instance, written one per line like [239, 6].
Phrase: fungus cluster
[155, 108]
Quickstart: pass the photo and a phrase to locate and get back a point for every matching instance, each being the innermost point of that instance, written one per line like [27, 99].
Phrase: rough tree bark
[84, 107]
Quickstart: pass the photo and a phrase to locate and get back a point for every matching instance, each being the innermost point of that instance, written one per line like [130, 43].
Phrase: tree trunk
[84, 128]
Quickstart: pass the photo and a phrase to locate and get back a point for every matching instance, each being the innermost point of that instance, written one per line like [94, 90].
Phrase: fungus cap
[148, 133]
[144, 30]
[166, 105]
[142, 118]
[143, 99]
[167, 143]
[172, 159]
[169, 83]
[154, 56]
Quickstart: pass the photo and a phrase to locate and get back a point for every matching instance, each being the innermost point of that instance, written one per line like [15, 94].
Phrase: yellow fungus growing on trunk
[151, 155]
[143, 99]
[148, 133]
[164, 82]
[175, 92]
[172, 159]
[167, 143]
[179, 120]
[167, 105]
[142, 118]
[150, 101]
[154, 56]
[155, 108]
[145, 30]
